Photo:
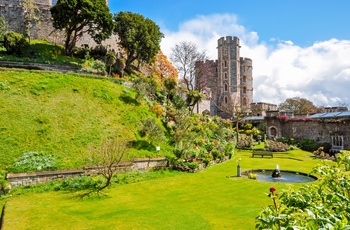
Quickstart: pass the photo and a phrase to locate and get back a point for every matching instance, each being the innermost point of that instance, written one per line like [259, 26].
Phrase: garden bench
[335, 149]
[261, 153]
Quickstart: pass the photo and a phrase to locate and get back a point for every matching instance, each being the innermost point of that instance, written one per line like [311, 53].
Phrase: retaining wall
[19, 179]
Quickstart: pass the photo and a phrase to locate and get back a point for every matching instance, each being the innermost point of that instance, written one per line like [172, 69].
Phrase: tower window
[225, 75]
[225, 63]
[225, 100]
[226, 87]
[244, 90]
[244, 79]
[244, 101]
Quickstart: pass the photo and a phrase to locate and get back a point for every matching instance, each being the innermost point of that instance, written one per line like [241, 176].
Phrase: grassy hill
[62, 114]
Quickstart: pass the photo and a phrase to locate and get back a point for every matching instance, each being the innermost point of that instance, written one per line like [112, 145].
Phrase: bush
[275, 146]
[15, 43]
[34, 161]
[309, 145]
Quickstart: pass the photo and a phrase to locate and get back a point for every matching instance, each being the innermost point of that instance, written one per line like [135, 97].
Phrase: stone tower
[230, 78]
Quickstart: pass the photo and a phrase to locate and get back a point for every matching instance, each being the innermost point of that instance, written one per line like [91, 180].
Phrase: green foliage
[323, 205]
[76, 16]
[3, 26]
[34, 161]
[63, 114]
[139, 36]
[152, 131]
[312, 146]
[15, 43]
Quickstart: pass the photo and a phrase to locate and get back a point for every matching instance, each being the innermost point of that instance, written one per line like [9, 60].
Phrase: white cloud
[281, 69]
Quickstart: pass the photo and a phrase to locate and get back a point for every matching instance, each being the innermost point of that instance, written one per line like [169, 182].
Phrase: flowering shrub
[275, 146]
[323, 205]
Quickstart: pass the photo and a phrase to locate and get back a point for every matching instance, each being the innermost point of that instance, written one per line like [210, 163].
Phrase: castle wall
[317, 130]
[13, 12]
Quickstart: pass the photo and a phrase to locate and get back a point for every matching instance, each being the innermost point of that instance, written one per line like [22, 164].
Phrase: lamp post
[238, 167]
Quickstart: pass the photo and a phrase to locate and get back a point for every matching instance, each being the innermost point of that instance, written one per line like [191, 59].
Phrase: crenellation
[230, 77]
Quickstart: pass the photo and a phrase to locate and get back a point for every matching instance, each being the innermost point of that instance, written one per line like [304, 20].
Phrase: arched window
[244, 79]
[225, 63]
[244, 90]
[225, 100]
[225, 75]
[244, 101]
[226, 87]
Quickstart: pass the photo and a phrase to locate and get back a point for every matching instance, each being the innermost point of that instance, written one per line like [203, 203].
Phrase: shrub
[98, 52]
[15, 43]
[308, 145]
[252, 176]
[275, 146]
[34, 161]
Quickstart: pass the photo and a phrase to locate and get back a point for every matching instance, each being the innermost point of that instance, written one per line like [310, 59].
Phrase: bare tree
[107, 157]
[184, 56]
[235, 110]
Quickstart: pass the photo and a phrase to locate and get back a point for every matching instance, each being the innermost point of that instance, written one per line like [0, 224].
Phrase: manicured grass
[211, 199]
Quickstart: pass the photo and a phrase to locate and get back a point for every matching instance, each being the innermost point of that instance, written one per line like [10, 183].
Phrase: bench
[335, 149]
[261, 153]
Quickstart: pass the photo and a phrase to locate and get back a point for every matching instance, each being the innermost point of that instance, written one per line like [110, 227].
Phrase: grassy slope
[62, 114]
[211, 199]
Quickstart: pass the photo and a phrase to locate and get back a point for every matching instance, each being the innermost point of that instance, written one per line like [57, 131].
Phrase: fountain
[277, 172]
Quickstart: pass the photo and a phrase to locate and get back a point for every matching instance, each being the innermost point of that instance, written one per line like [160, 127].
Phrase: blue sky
[299, 48]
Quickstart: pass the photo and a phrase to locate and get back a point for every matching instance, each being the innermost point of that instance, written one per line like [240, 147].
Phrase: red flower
[272, 189]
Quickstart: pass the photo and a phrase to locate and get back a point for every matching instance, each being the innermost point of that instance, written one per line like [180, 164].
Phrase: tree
[298, 105]
[111, 58]
[3, 26]
[184, 56]
[106, 158]
[139, 36]
[236, 111]
[162, 67]
[30, 15]
[78, 17]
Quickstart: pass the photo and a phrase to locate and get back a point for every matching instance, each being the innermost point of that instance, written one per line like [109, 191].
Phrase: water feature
[284, 176]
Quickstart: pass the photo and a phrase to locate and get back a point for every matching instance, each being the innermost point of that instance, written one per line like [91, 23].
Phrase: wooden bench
[261, 153]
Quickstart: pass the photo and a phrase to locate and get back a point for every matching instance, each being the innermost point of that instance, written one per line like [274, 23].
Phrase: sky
[299, 48]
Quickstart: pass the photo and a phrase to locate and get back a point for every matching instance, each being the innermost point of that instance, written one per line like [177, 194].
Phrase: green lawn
[211, 199]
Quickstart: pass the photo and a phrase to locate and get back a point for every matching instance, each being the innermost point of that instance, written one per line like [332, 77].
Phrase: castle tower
[230, 78]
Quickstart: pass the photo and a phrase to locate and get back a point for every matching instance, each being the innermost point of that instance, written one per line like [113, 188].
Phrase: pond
[286, 176]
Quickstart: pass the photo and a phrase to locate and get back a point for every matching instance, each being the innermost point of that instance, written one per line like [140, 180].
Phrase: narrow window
[226, 87]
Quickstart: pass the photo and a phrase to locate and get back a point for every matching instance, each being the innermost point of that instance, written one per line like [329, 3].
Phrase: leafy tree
[298, 106]
[193, 97]
[3, 26]
[78, 17]
[184, 56]
[139, 36]
[111, 58]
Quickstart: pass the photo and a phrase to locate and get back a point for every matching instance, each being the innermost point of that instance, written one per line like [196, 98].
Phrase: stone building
[14, 13]
[229, 79]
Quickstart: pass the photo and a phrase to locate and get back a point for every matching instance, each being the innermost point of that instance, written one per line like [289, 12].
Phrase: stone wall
[314, 129]
[41, 177]
[13, 12]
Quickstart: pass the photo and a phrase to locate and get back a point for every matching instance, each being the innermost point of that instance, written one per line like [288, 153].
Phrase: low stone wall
[19, 179]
